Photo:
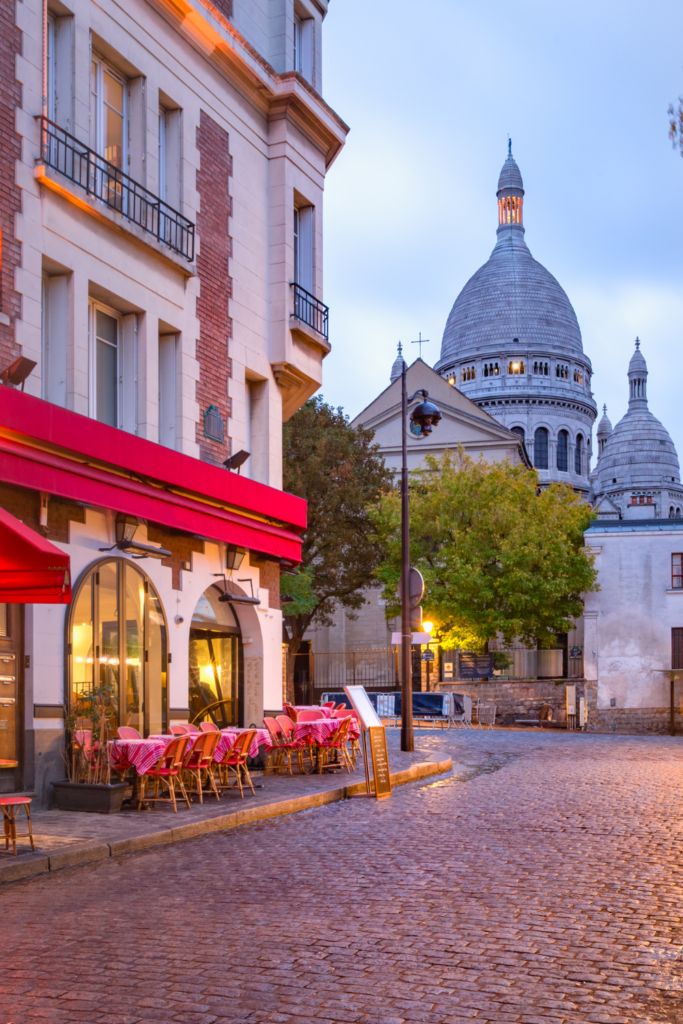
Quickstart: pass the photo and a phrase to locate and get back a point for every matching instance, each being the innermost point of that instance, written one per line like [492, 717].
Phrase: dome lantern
[637, 378]
[510, 193]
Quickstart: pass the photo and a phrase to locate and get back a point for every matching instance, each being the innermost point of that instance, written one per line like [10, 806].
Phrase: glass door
[214, 676]
[11, 662]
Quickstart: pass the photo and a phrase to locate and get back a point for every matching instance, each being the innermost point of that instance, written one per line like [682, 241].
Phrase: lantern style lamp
[425, 416]
[234, 557]
[125, 530]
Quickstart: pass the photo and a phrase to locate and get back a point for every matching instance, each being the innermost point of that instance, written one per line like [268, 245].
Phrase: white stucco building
[163, 166]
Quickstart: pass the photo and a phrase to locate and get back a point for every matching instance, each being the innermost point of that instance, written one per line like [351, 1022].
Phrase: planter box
[85, 796]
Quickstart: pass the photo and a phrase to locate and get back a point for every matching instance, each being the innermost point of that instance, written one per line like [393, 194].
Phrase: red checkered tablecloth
[327, 712]
[228, 737]
[139, 754]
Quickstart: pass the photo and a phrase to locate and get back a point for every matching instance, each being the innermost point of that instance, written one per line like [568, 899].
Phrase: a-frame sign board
[372, 730]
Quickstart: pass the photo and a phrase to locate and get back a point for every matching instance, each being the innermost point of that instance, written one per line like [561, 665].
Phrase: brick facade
[212, 267]
[24, 505]
[182, 545]
[269, 578]
[10, 194]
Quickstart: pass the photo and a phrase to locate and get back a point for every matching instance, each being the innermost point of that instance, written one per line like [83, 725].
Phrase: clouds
[410, 211]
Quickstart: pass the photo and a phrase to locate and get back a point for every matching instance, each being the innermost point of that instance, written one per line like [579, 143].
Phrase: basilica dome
[639, 452]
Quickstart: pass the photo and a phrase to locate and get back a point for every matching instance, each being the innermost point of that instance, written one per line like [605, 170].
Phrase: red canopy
[32, 571]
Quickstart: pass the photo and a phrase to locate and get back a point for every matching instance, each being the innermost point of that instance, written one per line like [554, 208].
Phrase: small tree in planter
[86, 754]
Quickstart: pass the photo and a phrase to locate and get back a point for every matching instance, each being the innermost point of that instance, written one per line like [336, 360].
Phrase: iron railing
[513, 663]
[80, 164]
[311, 311]
[376, 668]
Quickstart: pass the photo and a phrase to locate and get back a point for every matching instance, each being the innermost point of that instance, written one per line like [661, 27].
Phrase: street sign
[417, 587]
[428, 655]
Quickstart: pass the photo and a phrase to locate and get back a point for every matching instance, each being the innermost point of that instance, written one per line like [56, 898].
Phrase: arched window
[118, 638]
[578, 454]
[518, 430]
[541, 448]
[562, 446]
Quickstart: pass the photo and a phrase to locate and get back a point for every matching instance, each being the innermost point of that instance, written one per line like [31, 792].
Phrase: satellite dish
[417, 587]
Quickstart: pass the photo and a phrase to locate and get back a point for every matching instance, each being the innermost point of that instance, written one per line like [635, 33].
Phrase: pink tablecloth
[327, 712]
[228, 737]
[322, 729]
[139, 754]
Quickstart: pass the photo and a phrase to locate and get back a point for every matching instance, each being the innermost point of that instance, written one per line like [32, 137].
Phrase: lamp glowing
[427, 627]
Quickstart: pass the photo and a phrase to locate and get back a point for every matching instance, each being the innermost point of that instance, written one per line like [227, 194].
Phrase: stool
[10, 807]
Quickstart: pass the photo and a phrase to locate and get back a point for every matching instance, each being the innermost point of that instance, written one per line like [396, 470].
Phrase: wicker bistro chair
[127, 732]
[208, 727]
[292, 744]
[236, 760]
[281, 749]
[198, 762]
[356, 750]
[290, 711]
[309, 716]
[179, 729]
[336, 742]
[167, 770]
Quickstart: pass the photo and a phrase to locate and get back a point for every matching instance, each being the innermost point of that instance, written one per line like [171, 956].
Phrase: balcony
[311, 311]
[105, 182]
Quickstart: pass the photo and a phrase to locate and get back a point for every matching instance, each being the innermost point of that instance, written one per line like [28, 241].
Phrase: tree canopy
[498, 555]
[338, 469]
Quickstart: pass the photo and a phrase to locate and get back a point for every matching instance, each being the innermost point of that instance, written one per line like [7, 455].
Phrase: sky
[431, 92]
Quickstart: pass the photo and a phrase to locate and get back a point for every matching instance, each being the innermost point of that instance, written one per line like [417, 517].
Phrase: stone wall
[522, 698]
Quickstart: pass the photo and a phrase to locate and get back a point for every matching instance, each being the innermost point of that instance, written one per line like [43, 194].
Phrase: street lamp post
[424, 417]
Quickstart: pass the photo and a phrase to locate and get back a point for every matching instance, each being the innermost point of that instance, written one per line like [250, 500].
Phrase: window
[676, 571]
[516, 366]
[169, 156]
[562, 371]
[303, 47]
[578, 375]
[4, 620]
[113, 367]
[167, 390]
[118, 637]
[468, 373]
[562, 448]
[541, 448]
[303, 247]
[491, 369]
[518, 430]
[578, 455]
[51, 68]
[54, 324]
[108, 114]
[541, 369]
[215, 663]
[677, 647]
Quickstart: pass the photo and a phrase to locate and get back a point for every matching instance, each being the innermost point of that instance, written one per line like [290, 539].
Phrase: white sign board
[361, 703]
[418, 638]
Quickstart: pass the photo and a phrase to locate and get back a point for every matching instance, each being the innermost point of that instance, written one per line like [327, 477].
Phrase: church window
[515, 366]
[649, 500]
[451, 380]
[562, 371]
[634, 499]
[578, 375]
[468, 373]
[578, 454]
[562, 445]
[541, 448]
[518, 430]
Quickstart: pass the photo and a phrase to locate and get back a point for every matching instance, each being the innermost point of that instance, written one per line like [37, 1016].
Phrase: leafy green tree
[338, 469]
[498, 555]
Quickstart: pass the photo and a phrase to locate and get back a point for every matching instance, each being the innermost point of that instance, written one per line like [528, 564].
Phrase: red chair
[310, 716]
[350, 713]
[236, 759]
[341, 707]
[328, 704]
[180, 729]
[279, 748]
[290, 711]
[291, 743]
[191, 728]
[208, 727]
[127, 732]
[199, 761]
[337, 742]
[10, 808]
[168, 768]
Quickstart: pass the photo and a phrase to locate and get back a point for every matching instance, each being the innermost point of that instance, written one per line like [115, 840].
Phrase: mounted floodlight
[17, 372]
[237, 460]
[229, 595]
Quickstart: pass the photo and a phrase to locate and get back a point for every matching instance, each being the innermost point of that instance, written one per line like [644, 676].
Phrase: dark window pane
[562, 439]
[106, 383]
[578, 452]
[541, 448]
[677, 648]
[518, 430]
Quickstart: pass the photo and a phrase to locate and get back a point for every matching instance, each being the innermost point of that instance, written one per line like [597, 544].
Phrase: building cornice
[287, 95]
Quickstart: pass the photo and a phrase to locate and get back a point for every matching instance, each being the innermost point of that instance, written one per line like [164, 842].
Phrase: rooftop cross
[509, 146]
[420, 341]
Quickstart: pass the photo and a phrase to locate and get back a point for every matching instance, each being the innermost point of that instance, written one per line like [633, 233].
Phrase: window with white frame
[113, 367]
[303, 46]
[54, 332]
[167, 389]
[51, 59]
[109, 113]
[303, 247]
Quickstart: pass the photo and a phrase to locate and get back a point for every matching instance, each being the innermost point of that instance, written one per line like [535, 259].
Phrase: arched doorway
[216, 661]
[118, 637]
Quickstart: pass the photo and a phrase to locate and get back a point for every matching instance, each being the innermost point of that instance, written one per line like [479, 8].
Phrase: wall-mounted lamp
[229, 595]
[234, 557]
[125, 528]
[17, 372]
[237, 460]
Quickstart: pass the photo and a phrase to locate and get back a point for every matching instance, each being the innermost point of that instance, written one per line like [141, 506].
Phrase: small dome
[510, 175]
[604, 426]
[637, 364]
[399, 363]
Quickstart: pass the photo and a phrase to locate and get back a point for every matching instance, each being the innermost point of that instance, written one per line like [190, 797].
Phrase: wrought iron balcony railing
[117, 190]
[311, 311]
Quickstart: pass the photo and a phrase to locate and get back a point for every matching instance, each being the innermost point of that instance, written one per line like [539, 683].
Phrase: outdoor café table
[139, 754]
[327, 712]
[228, 737]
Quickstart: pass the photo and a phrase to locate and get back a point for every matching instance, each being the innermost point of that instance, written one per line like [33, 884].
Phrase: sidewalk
[67, 838]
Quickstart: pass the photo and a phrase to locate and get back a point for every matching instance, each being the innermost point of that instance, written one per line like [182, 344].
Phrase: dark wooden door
[11, 694]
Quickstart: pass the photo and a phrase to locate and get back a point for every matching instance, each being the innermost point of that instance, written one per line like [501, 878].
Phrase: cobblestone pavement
[540, 883]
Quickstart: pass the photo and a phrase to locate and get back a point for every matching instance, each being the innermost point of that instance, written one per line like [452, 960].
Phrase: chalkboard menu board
[372, 728]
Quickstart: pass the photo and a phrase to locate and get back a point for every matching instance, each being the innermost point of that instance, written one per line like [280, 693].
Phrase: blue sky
[431, 92]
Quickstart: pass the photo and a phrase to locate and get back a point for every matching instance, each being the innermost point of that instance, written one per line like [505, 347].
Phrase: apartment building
[162, 165]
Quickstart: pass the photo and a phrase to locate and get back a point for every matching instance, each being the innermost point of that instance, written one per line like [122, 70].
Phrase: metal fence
[375, 668]
[514, 663]
[311, 311]
[80, 164]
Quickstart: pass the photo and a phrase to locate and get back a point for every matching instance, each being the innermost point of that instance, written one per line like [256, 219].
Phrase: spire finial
[604, 409]
[400, 348]
[637, 342]
[509, 146]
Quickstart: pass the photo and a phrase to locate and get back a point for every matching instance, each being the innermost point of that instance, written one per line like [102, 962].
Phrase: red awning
[32, 571]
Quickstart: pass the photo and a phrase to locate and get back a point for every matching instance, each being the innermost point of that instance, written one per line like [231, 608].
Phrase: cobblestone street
[539, 883]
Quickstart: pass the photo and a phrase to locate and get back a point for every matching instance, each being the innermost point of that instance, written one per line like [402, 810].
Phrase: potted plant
[90, 724]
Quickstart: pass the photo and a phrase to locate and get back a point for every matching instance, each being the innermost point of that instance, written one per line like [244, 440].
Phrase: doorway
[216, 663]
[11, 694]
